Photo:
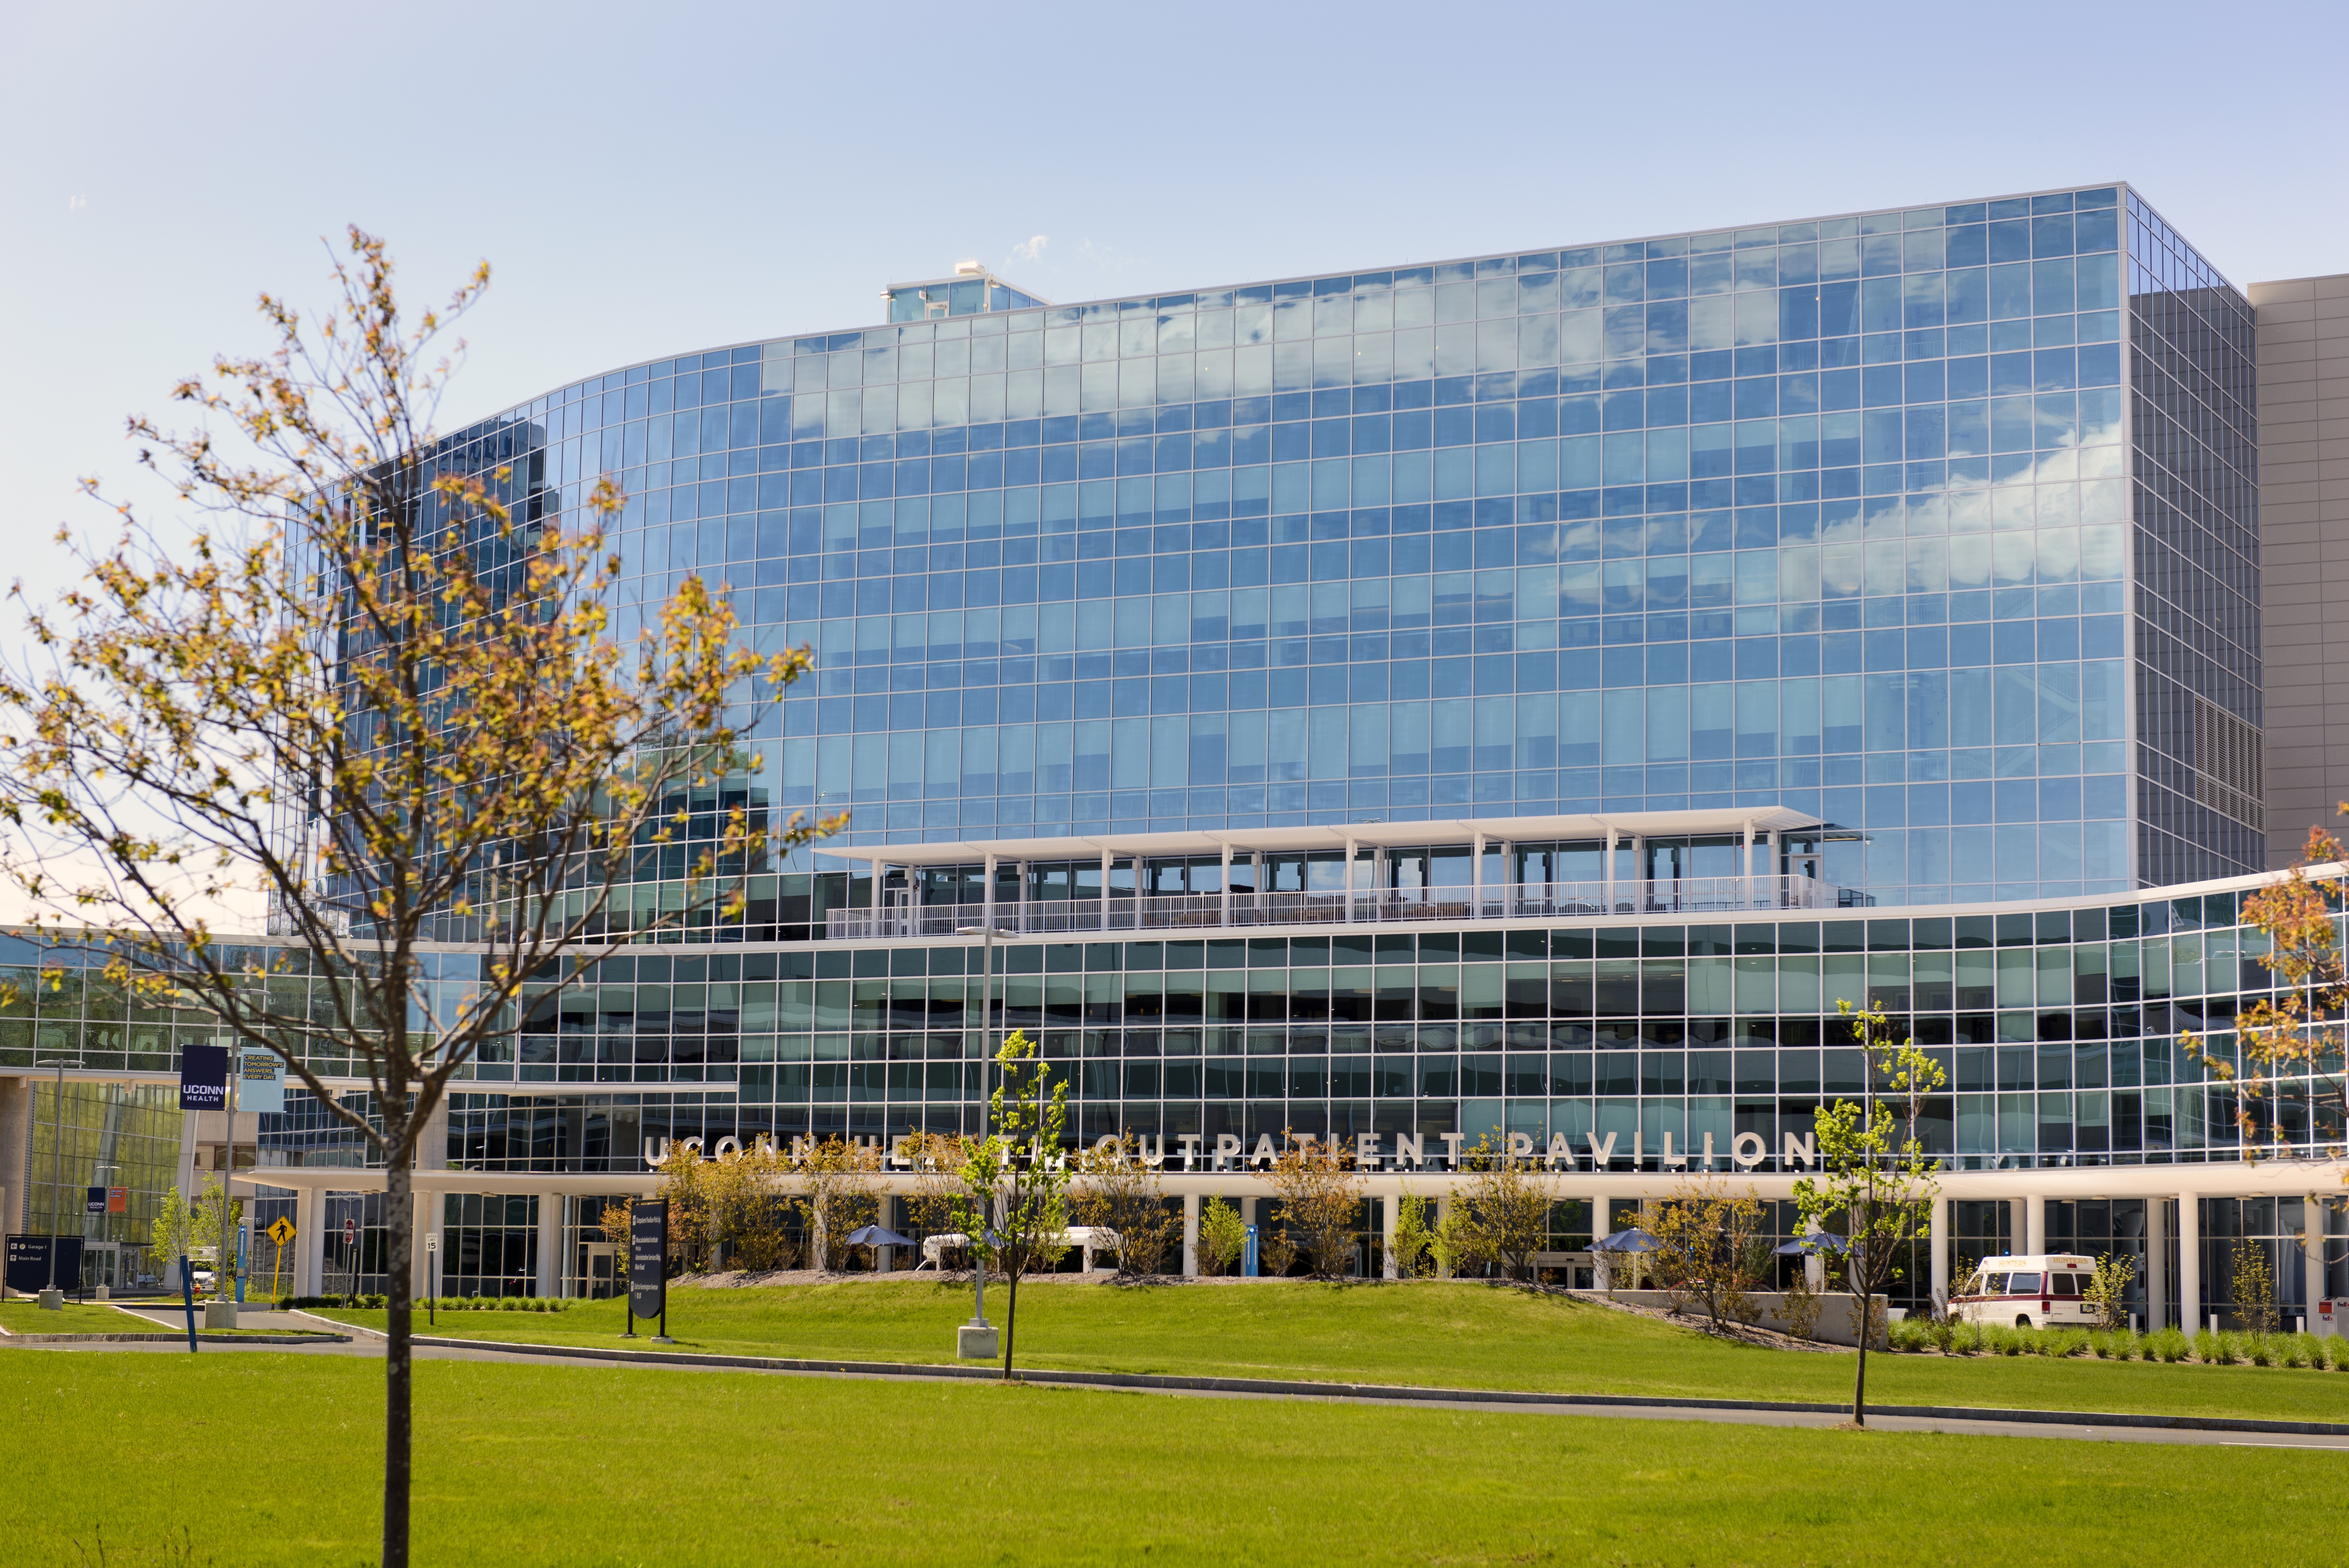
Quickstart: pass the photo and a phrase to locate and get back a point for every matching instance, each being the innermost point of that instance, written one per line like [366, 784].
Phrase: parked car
[2034, 1290]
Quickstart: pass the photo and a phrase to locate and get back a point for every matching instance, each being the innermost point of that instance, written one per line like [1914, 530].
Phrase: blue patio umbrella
[1632, 1240]
[875, 1236]
[1817, 1241]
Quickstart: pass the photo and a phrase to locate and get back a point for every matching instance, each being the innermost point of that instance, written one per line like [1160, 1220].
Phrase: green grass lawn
[592, 1465]
[1458, 1335]
[76, 1317]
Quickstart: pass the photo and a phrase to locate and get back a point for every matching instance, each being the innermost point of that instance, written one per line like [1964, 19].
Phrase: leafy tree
[1320, 1197]
[1222, 1237]
[839, 1198]
[1711, 1252]
[2254, 1285]
[2108, 1288]
[748, 1217]
[1120, 1191]
[387, 695]
[1503, 1207]
[179, 1230]
[2289, 1051]
[1015, 1179]
[1413, 1235]
[1875, 1176]
[685, 1183]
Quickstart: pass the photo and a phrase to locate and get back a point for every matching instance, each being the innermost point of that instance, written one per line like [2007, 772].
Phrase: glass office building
[1514, 695]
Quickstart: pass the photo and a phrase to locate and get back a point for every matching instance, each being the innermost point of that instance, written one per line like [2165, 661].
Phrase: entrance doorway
[603, 1270]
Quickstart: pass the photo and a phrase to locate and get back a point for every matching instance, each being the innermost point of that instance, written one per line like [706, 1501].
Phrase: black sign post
[36, 1262]
[648, 1265]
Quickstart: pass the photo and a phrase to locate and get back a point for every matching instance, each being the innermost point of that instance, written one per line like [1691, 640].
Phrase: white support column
[1608, 865]
[2190, 1260]
[2035, 1222]
[1749, 864]
[426, 1207]
[1938, 1238]
[880, 874]
[552, 1207]
[1223, 916]
[1508, 879]
[1777, 843]
[2157, 1264]
[1020, 906]
[1349, 882]
[1640, 900]
[987, 903]
[1476, 878]
[1255, 880]
[1107, 860]
[1191, 1210]
[309, 1241]
[2311, 1258]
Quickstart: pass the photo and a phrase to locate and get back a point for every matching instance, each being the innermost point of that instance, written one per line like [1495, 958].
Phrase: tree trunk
[1859, 1378]
[397, 1381]
[1010, 1323]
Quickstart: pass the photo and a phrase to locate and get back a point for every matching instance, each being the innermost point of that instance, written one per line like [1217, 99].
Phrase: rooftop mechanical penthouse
[1516, 696]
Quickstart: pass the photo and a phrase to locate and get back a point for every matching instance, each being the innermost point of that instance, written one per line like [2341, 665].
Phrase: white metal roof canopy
[1594, 828]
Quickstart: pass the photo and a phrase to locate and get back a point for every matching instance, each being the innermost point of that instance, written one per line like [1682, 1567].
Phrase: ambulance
[2043, 1290]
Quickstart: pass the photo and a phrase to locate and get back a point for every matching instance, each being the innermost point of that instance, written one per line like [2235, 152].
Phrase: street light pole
[57, 1168]
[987, 935]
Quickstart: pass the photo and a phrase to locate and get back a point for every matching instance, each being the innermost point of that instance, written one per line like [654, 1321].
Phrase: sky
[646, 182]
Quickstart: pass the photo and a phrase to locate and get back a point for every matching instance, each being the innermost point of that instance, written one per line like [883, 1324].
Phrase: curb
[202, 1338]
[1390, 1393]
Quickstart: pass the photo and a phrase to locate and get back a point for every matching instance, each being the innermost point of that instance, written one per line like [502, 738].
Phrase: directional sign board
[648, 1251]
[282, 1232]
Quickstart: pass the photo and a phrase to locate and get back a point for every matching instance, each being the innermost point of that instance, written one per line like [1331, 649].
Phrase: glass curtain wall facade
[1837, 515]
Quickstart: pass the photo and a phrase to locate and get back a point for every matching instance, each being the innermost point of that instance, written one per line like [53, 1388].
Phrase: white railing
[1210, 912]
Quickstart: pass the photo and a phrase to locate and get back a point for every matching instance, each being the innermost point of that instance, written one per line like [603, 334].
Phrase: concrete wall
[1835, 1325]
[2304, 415]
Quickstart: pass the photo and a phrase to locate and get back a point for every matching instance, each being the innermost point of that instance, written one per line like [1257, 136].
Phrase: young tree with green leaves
[1013, 1203]
[1222, 1237]
[1875, 1176]
[1504, 1206]
[1413, 1235]
[374, 680]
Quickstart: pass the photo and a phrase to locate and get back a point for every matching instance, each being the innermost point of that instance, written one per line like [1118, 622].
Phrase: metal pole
[58, 1173]
[228, 1105]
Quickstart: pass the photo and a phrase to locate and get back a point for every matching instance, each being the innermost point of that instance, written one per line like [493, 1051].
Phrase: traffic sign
[431, 1241]
[350, 1232]
[282, 1230]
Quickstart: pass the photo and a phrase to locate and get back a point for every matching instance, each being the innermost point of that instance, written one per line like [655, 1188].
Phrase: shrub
[2303, 1350]
[2337, 1353]
[2209, 1349]
[2170, 1346]
[1909, 1336]
[2059, 1343]
[2108, 1347]
[2260, 1350]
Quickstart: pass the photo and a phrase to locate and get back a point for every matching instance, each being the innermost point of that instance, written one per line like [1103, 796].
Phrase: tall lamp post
[987, 935]
[57, 1171]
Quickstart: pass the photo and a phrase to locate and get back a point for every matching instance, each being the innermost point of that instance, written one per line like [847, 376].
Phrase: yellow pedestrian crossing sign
[282, 1232]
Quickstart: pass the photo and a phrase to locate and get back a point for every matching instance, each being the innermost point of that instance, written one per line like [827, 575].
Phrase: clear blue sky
[647, 180]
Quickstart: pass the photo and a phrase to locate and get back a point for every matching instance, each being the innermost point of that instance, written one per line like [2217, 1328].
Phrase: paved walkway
[2074, 1426]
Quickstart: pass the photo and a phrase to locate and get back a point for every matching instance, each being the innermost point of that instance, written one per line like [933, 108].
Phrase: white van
[2041, 1290]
